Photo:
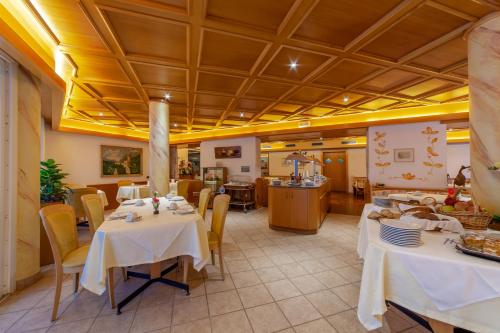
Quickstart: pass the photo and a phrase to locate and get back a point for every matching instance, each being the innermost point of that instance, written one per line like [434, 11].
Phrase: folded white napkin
[185, 209]
[129, 202]
[117, 216]
[446, 223]
[132, 217]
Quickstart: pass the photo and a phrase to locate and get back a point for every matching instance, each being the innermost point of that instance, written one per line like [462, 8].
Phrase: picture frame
[117, 161]
[404, 155]
[227, 152]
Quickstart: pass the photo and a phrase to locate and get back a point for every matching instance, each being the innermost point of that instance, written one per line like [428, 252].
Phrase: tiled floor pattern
[275, 282]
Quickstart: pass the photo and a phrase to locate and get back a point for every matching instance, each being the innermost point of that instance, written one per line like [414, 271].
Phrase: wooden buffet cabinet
[298, 209]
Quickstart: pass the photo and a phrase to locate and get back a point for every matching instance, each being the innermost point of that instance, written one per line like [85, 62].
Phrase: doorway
[335, 168]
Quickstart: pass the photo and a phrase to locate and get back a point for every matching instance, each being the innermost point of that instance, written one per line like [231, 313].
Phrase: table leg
[185, 263]
[439, 326]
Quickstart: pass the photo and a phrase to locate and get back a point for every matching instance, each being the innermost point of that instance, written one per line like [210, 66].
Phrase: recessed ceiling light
[175, 124]
[321, 138]
[167, 96]
[101, 114]
[293, 65]
[242, 114]
[346, 98]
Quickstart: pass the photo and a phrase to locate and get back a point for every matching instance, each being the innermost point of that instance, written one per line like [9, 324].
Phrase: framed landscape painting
[120, 161]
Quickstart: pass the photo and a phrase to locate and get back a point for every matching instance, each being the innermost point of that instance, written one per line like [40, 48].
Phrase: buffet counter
[299, 209]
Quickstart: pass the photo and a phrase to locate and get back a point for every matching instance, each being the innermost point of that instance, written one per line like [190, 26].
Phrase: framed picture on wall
[121, 161]
[228, 152]
[404, 155]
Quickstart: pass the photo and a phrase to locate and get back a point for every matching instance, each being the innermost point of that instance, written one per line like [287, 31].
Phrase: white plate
[397, 224]
[177, 198]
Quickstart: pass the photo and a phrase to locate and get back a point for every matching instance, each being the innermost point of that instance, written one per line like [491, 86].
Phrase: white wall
[250, 156]
[80, 156]
[382, 140]
[457, 154]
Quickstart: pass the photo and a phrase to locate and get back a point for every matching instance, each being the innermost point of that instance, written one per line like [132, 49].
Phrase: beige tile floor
[275, 282]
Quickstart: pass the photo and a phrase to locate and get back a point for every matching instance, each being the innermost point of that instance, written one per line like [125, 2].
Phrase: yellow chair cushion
[76, 257]
[213, 238]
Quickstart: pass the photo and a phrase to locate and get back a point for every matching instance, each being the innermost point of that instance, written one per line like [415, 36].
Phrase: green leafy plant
[51, 185]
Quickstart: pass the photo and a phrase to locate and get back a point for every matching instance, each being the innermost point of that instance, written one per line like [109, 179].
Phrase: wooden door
[336, 168]
[298, 208]
[279, 203]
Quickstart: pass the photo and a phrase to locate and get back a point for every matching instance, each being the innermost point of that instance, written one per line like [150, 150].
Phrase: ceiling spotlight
[321, 138]
[346, 98]
[242, 114]
[175, 124]
[167, 96]
[293, 65]
[101, 114]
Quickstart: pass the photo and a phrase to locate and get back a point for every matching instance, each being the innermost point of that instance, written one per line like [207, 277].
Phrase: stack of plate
[382, 202]
[400, 233]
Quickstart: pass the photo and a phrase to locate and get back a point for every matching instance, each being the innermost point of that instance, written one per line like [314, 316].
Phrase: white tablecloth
[433, 280]
[132, 192]
[103, 197]
[155, 238]
[440, 198]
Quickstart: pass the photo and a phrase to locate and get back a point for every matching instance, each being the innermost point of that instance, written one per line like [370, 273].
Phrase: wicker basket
[471, 220]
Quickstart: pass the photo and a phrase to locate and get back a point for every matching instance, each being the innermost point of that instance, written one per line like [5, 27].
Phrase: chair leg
[221, 264]
[111, 288]
[76, 280]
[57, 294]
[124, 273]
[213, 257]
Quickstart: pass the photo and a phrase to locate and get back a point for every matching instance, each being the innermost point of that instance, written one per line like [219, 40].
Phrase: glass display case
[214, 177]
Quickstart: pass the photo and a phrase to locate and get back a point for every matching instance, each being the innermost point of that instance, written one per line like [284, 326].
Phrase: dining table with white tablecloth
[132, 192]
[152, 239]
[433, 280]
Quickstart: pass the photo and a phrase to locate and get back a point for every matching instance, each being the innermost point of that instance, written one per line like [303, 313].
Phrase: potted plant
[52, 191]
[51, 185]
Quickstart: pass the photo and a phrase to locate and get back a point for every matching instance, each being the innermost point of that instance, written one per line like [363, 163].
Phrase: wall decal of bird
[460, 178]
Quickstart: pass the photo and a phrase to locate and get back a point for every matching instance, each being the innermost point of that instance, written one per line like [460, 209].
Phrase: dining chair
[92, 204]
[219, 213]
[183, 188]
[126, 182]
[59, 223]
[203, 202]
[74, 200]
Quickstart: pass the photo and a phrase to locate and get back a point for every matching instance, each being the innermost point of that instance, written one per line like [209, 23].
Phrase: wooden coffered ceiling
[226, 63]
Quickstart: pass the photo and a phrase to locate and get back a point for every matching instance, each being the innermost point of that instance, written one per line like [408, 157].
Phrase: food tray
[476, 253]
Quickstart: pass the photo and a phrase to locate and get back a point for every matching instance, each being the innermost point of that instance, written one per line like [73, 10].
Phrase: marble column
[158, 147]
[484, 81]
[28, 179]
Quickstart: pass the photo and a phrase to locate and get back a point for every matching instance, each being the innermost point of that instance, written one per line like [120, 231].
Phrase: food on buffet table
[486, 243]
[473, 240]
[384, 213]
[492, 245]
[427, 216]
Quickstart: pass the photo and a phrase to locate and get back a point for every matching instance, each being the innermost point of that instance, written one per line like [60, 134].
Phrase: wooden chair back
[203, 202]
[92, 204]
[59, 223]
[125, 182]
[219, 213]
[183, 188]
[74, 199]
